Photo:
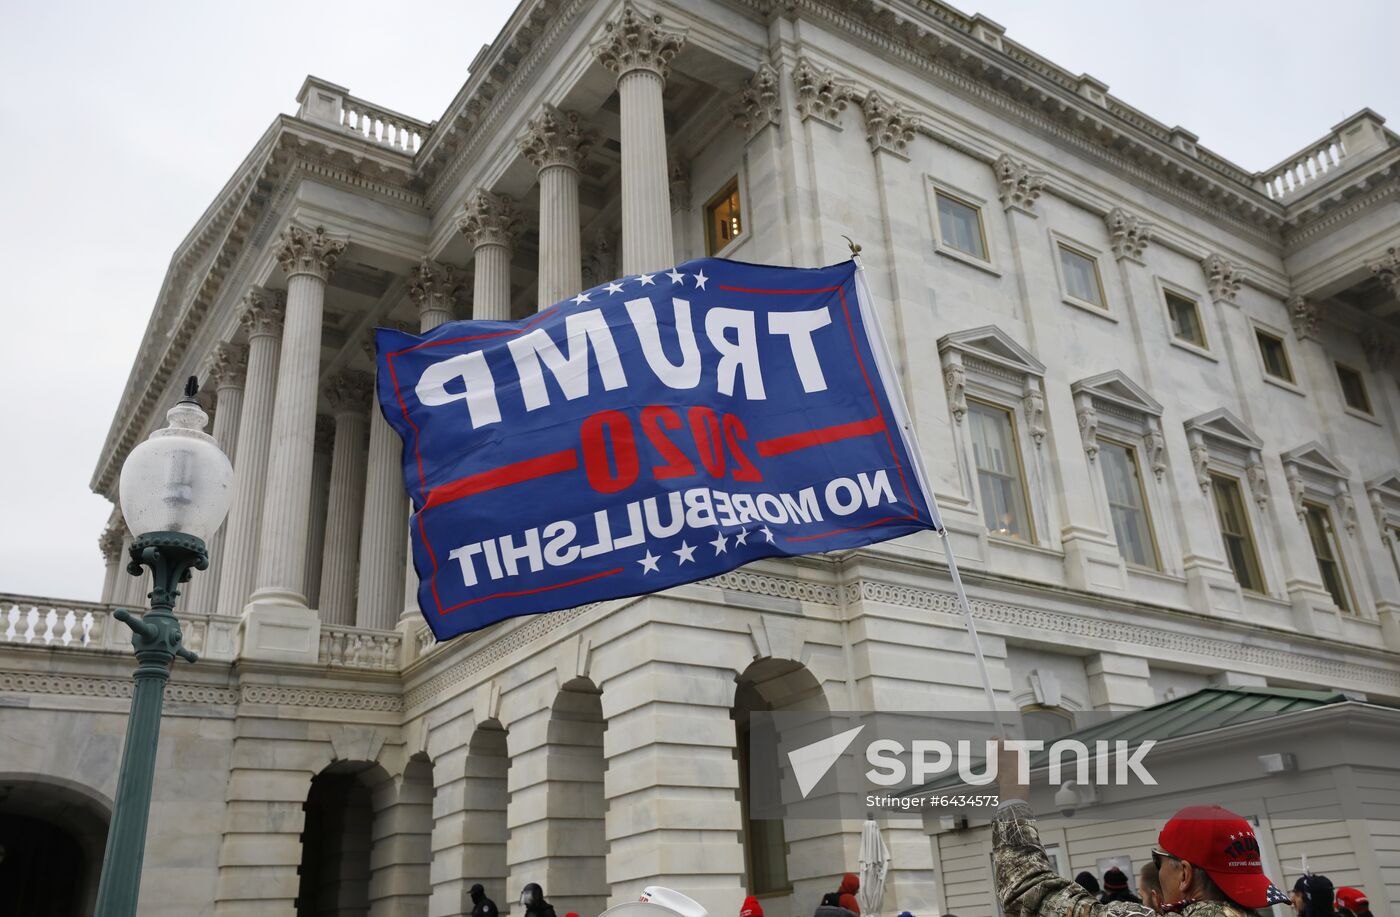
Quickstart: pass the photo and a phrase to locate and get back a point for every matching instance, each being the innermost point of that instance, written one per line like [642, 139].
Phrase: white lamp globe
[178, 480]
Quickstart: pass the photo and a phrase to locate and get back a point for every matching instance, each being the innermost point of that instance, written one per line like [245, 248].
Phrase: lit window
[1081, 276]
[723, 220]
[1127, 502]
[1324, 545]
[1275, 357]
[999, 480]
[1186, 320]
[1354, 389]
[1234, 529]
[960, 226]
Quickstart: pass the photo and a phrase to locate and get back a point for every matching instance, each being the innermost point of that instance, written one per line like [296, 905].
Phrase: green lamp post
[175, 490]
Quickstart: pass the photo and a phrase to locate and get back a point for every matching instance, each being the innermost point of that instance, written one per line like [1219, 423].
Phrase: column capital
[324, 441]
[490, 219]
[434, 286]
[348, 391]
[889, 127]
[556, 138]
[227, 366]
[820, 94]
[1306, 316]
[634, 41]
[759, 103]
[263, 311]
[308, 251]
[110, 542]
[1387, 269]
[1223, 278]
[1128, 234]
[1019, 186]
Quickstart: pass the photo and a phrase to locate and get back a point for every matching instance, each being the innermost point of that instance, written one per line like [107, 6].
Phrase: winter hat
[1086, 881]
[1114, 880]
[1317, 891]
[751, 908]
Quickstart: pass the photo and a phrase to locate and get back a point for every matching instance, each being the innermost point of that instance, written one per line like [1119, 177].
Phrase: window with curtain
[1240, 550]
[1000, 479]
[1327, 551]
[1127, 503]
[1081, 273]
[960, 226]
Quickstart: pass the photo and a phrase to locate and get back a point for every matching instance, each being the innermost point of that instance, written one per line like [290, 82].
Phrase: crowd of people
[1313, 894]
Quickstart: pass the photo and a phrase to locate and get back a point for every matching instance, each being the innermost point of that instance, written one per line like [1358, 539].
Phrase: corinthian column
[556, 145]
[320, 501]
[348, 393]
[490, 223]
[639, 51]
[308, 257]
[262, 320]
[228, 369]
[110, 544]
[378, 596]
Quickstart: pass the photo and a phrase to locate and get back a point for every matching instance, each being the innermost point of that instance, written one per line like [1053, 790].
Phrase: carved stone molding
[110, 542]
[1306, 316]
[889, 127]
[308, 251]
[820, 94]
[1033, 401]
[955, 383]
[1258, 480]
[634, 41]
[490, 219]
[1347, 505]
[1223, 278]
[556, 138]
[262, 313]
[435, 286]
[97, 686]
[1380, 349]
[1387, 270]
[324, 439]
[349, 390]
[1200, 463]
[1019, 186]
[227, 367]
[1155, 445]
[678, 177]
[1088, 425]
[313, 697]
[759, 103]
[1128, 234]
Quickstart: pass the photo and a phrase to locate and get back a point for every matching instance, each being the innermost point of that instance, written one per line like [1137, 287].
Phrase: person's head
[531, 895]
[478, 892]
[1208, 853]
[1313, 896]
[850, 884]
[1149, 889]
[751, 908]
[1354, 900]
[1086, 881]
[1115, 881]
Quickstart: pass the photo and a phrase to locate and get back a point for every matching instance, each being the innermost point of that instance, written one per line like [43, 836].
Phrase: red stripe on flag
[782, 445]
[507, 595]
[527, 470]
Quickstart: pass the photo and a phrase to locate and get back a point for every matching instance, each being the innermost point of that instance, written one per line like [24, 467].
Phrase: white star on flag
[767, 533]
[742, 537]
[648, 563]
[686, 553]
[614, 287]
[676, 276]
[700, 279]
[645, 279]
[719, 543]
[580, 299]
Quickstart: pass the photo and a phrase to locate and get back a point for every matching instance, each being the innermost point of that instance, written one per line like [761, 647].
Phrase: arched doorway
[336, 840]
[52, 839]
[484, 831]
[577, 807]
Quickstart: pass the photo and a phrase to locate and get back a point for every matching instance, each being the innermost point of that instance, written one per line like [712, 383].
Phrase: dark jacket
[532, 896]
[482, 906]
[1119, 894]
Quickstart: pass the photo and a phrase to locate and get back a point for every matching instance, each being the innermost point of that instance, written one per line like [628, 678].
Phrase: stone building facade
[1156, 395]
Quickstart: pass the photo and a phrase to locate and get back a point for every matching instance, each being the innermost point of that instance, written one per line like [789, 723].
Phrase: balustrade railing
[1307, 168]
[360, 648]
[379, 125]
[35, 622]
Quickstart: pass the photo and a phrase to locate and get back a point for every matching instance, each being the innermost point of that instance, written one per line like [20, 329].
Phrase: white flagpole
[906, 426]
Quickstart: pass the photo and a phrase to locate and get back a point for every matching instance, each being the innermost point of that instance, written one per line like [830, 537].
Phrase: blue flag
[652, 431]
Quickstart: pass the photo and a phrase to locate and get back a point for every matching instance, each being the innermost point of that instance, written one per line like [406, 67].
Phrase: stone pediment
[1314, 458]
[1387, 484]
[1223, 426]
[991, 344]
[1117, 389]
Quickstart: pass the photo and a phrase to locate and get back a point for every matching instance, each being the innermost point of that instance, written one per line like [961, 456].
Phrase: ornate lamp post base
[171, 556]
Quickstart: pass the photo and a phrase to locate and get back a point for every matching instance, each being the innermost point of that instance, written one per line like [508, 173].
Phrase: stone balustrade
[41, 623]
[379, 125]
[1305, 169]
[360, 648]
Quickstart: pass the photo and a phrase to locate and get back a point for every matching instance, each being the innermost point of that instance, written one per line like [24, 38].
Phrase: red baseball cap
[1353, 898]
[1223, 844]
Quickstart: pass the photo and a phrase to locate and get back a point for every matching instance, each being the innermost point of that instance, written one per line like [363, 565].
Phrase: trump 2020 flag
[652, 431]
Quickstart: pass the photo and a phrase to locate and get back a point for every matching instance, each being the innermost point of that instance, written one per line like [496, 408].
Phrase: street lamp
[175, 490]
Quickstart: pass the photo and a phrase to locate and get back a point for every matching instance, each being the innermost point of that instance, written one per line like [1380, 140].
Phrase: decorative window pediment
[988, 359]
[1122, 405]
[1314, 458]
[1221, 436]
[1384, 496]
[1312, 472]
[1224, 428]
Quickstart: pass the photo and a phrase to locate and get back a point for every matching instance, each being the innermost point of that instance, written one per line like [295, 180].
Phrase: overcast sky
[122, 121]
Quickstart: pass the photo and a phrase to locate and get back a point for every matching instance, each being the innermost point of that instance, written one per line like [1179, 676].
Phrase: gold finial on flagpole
[855, 246]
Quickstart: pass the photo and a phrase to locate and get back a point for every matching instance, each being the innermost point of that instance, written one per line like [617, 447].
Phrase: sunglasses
[1158, 856]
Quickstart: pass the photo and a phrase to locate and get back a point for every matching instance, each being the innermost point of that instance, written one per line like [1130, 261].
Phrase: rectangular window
[999, 478]
[1127, 503]
[1234, 528]
[960, 226]
[1274, 354]
[1186, 320]
[1324, 545]
[1354, 389]
[723, 221]
[1081, 276]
